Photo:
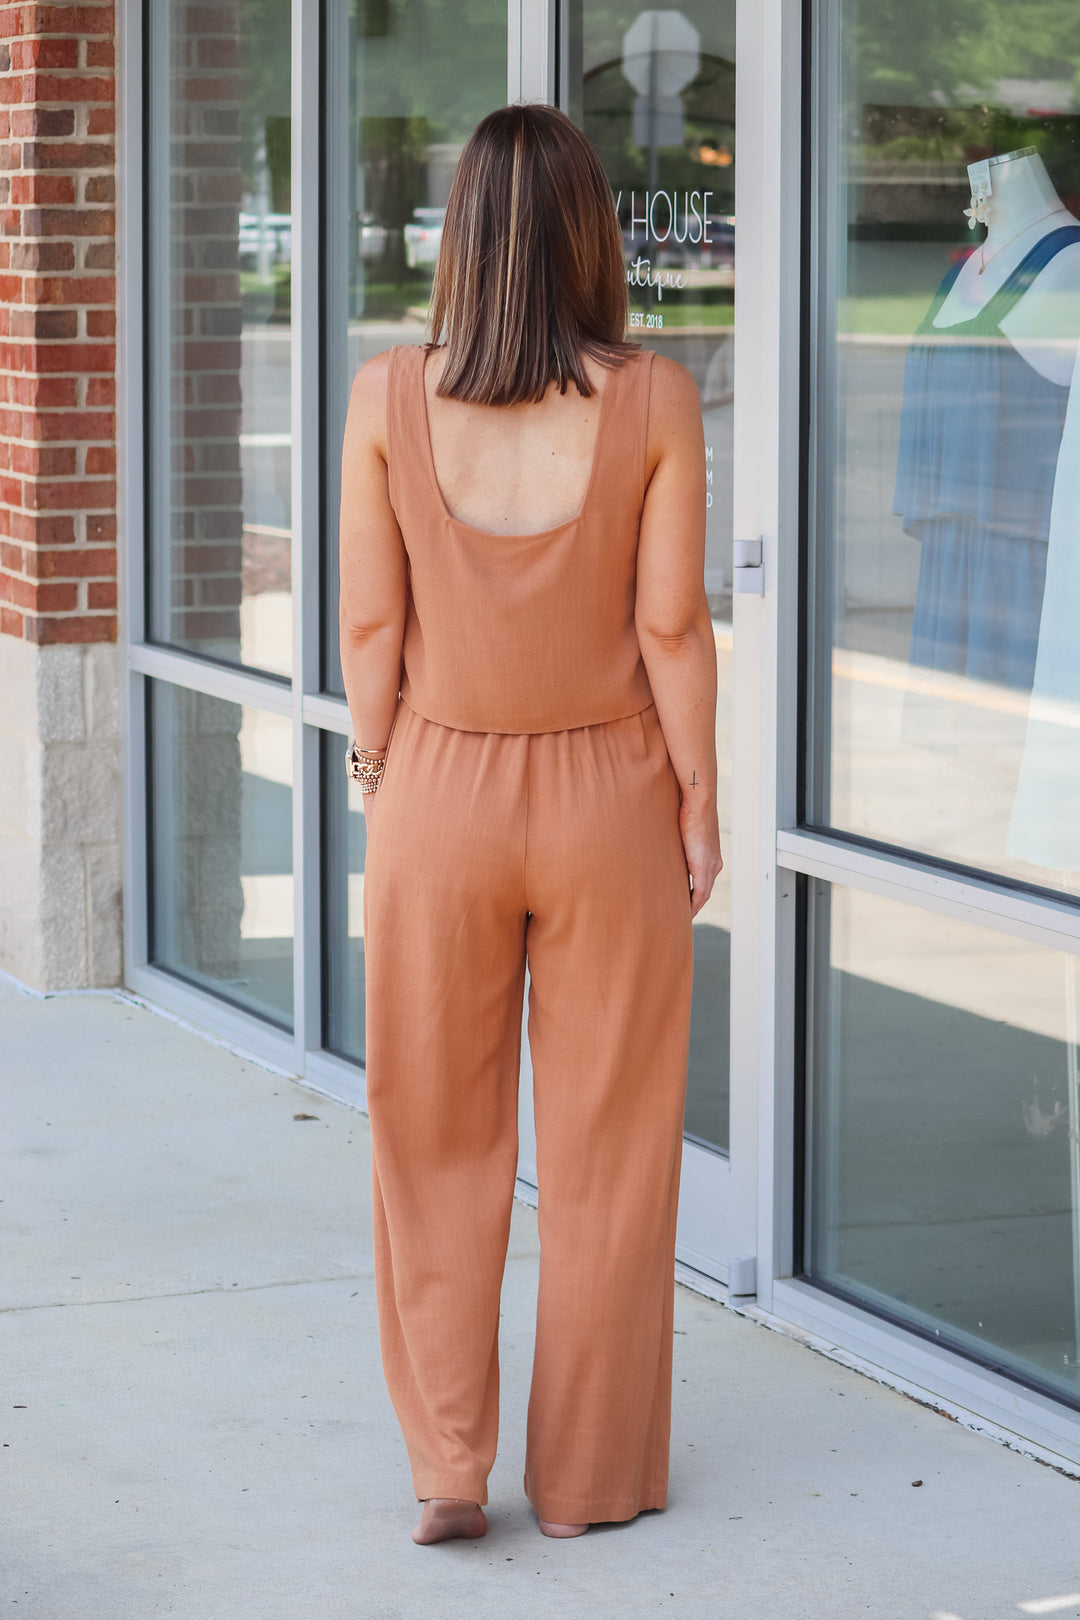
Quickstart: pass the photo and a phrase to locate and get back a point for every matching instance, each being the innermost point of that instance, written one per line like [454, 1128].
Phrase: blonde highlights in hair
[530, 279]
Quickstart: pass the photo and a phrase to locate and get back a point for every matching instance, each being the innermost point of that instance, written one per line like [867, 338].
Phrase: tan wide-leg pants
[484, 850]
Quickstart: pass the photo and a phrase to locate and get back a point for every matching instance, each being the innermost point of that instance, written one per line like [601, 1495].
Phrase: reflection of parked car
[719, 250]
[371, 237]
[271, 233]
[423, 236]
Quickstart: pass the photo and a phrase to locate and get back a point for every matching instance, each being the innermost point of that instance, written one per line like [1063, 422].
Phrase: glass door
[654, 90]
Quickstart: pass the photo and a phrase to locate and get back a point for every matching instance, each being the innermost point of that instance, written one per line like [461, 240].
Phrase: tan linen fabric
[490, 846]
[522, 632]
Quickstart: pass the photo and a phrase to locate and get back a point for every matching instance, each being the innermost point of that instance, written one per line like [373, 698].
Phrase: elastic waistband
[475, 731]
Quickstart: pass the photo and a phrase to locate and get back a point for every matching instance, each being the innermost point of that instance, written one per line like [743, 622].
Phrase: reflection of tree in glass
[709, 121]
[946, 83]
[424, 72]
[952, 52]
[264, 100]
[442, 60]
[265, 66]
[393, 151]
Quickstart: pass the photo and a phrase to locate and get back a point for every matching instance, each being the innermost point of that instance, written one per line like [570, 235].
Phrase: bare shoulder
[367, 401]
[671, 382]
[674, 409]
[370, 382]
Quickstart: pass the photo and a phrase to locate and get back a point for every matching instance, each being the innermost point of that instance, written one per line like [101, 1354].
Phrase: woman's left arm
[373, 563]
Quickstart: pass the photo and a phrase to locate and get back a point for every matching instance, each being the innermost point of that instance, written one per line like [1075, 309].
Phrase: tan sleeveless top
[518, 633]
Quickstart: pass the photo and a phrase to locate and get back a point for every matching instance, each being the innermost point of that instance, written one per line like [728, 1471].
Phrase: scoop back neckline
[492, 534]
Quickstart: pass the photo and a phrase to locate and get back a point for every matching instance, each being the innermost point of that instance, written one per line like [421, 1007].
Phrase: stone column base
[61, 882]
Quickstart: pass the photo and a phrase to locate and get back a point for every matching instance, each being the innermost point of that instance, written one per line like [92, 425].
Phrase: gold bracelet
[365, 771]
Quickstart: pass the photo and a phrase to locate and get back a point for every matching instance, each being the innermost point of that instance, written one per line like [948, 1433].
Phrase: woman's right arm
[373, 564]
[672, 617]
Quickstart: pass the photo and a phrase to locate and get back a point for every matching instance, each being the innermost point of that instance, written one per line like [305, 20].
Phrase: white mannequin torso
[1044, 326]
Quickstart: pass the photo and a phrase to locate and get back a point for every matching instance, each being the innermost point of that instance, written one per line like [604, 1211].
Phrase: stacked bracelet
[365, 766]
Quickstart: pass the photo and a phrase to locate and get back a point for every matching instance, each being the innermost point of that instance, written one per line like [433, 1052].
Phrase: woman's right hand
[700, 831]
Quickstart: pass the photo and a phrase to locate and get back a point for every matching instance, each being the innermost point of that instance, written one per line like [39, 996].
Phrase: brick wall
[57, 323]
[60, 801]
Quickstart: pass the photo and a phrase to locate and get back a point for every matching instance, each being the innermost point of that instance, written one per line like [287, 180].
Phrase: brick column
[57, 324]
[59, 744]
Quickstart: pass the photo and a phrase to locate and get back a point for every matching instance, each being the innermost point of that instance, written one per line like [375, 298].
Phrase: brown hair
[530, 278]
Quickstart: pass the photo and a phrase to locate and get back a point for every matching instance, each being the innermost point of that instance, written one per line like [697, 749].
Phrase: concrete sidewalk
[196, 1423]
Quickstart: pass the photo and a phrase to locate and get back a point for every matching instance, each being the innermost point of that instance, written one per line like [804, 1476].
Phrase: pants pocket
[644, 729]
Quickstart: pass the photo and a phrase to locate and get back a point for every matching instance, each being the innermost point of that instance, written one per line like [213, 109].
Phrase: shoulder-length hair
[530, 278]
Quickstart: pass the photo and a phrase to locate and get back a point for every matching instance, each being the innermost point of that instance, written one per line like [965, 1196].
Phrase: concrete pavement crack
[192, 1293]
[187, 1293]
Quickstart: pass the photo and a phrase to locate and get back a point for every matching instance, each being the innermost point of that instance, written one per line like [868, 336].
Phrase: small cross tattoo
[693, 780]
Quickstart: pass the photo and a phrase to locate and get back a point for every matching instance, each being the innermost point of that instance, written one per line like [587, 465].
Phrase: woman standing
[531, 675]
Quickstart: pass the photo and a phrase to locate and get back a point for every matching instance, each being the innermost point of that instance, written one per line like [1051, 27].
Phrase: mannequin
[985, 393]
[1022, 207]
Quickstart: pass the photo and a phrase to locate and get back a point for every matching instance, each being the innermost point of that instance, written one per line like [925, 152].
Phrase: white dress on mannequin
[1045, 824]
[1044, 328]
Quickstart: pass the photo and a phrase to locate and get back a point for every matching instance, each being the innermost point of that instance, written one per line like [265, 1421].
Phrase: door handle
[748, 573]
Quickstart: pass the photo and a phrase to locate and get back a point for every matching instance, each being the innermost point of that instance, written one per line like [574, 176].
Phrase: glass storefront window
[406, 83]
[219, 244]
[944, 1157]
[945, 498]
[221, 869]
[655, 93]
[654, 90]
[344, 847]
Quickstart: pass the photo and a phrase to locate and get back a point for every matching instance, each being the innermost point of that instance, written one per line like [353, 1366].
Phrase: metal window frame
[531, 67]
[768, 423]
[145, 661]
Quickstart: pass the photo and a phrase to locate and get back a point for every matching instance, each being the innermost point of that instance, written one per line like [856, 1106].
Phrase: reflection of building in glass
[201, 542]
